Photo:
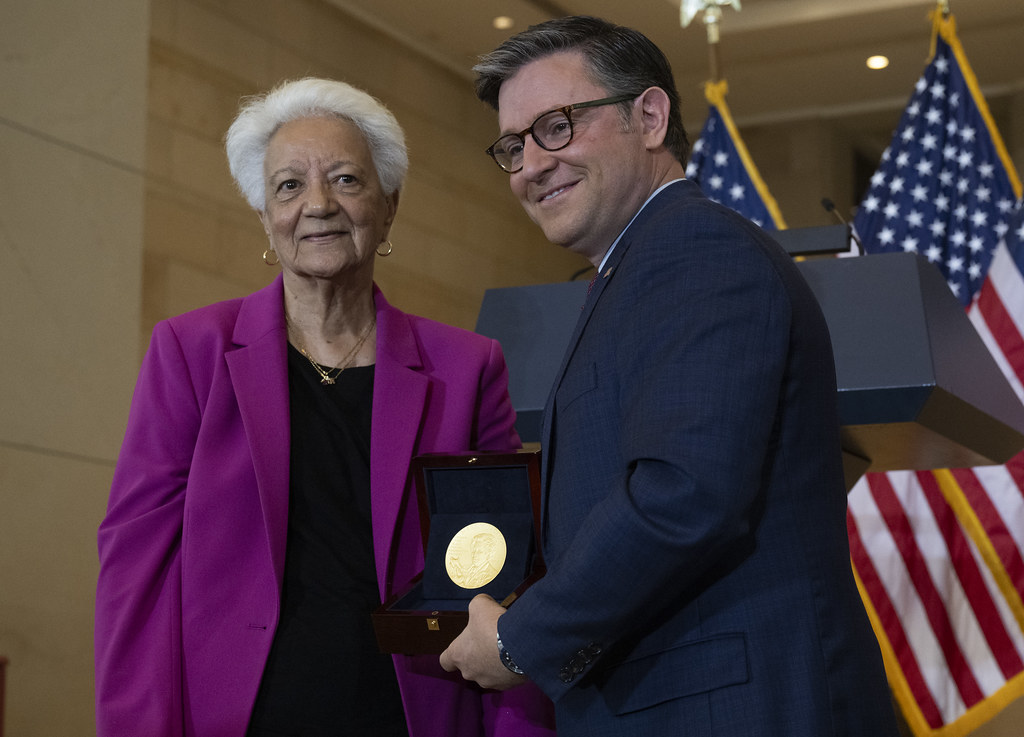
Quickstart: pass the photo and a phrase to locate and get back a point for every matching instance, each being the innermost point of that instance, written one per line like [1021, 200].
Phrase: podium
[533, 325]
[918, 389]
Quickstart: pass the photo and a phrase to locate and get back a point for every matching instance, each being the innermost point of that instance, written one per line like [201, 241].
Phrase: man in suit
[693, 517]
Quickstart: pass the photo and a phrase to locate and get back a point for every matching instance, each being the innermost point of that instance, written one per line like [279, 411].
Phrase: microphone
[830, 207]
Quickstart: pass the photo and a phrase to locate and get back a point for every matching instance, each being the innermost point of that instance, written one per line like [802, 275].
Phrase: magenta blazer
[192, 547]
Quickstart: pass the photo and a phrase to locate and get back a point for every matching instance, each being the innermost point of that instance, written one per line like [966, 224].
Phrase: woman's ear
[392, 204]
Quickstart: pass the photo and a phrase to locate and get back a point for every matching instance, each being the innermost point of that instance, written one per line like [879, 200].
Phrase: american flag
[939, 555]
[722, 167]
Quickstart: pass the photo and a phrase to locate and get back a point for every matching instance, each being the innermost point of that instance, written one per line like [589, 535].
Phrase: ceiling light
[878, 62]
[502, 22]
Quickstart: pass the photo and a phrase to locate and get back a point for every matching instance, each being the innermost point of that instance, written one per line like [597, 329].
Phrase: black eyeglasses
[552, 131]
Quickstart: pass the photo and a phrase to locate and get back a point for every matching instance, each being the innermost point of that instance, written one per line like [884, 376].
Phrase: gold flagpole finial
[944, 8]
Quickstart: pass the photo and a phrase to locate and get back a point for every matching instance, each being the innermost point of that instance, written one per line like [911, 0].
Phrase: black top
[325, 676]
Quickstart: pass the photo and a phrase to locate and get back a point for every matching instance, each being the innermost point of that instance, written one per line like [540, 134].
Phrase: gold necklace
[326, 377]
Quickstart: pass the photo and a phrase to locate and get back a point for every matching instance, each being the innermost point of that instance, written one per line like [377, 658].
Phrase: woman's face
[325, 211]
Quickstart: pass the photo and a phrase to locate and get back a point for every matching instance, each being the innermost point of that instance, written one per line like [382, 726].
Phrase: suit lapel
[594, 292]
[601, 282]
[259, 376]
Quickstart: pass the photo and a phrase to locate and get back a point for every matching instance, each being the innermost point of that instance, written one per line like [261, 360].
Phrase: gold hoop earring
[267, 261]
[387, 252]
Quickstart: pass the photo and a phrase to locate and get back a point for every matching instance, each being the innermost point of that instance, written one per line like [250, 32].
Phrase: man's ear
[654, 114]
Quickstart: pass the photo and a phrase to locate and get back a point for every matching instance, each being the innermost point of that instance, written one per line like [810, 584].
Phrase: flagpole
[715, 90]
[941, 16]
[712, 16]
[945, 27]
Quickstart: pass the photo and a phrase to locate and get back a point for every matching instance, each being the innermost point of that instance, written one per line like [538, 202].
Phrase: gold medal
[475, 555]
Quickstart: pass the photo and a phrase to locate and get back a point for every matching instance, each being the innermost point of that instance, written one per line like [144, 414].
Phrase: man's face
[583, 195]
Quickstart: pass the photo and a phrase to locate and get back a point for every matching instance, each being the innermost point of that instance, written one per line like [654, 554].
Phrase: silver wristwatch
[506, 659]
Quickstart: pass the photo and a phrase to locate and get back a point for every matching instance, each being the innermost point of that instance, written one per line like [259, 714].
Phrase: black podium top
[918, 388]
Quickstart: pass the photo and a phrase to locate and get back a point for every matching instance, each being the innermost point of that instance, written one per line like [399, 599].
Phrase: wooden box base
[411, 625]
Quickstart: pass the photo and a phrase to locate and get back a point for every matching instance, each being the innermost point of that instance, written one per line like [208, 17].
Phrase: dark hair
[621, 60]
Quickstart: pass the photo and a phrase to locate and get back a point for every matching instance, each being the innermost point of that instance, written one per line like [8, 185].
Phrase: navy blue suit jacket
[694, 526]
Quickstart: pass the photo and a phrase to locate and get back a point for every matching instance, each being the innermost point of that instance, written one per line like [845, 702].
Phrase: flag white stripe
[928, 537]
[1006, 497]
[1008, 282]
[1006, 616]
[887, 561]
[969, 634]
[981, 326]
[1008, 286]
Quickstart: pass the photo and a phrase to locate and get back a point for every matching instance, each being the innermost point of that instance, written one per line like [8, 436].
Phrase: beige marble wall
[72, 113]
[801, 162]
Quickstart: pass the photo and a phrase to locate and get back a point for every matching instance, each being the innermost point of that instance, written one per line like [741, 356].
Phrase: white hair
[261, 115]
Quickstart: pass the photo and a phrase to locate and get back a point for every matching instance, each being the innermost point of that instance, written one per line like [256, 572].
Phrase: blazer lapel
[399, 402]
[259, 375]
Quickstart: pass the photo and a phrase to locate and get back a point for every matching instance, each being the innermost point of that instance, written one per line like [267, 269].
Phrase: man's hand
[475, 652]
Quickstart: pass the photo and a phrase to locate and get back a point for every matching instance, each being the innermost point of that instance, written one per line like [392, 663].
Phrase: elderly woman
[262, 503]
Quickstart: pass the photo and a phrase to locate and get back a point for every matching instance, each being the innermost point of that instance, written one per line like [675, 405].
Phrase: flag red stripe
[902, 532]
[890, 622]
[964, 563]
[992, 522]
[1002, 327]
